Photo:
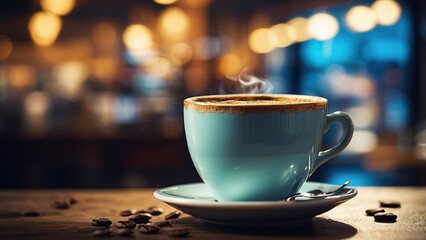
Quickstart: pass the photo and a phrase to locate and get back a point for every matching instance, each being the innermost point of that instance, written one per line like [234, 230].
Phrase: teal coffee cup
[259, 147]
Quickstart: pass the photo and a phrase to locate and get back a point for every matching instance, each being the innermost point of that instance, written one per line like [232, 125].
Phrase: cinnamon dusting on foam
[256, 103]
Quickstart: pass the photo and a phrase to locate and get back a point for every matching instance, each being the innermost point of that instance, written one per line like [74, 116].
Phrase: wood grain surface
[345, 221]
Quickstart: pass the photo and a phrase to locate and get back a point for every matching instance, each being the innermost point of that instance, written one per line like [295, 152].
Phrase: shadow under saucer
[311, 228]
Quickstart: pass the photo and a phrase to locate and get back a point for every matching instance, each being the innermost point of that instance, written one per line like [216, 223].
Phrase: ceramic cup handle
[348, 129]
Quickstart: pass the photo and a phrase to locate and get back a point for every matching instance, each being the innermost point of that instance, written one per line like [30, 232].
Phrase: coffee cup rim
[199, 106]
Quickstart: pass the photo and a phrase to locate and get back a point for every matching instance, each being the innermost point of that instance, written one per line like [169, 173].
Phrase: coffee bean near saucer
[101, 222]
[390, 204]
[172, 215]
[371, 212]
[129, 212]
[148, 228]
[125, 224]
[141, 218]
[385, 217]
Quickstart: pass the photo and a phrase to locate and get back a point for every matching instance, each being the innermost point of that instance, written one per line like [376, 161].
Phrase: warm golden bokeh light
[70, 77]
[104, 35]
[57, 7]
[323, 26]
[282, 35]
[104, 69]
[36, 104]
[137, 37]
[20, 75]
[259, 40]
[159, 67]
[174, 24]
[165, 2]
[5, 47]
[388, 12]
[361, 19]
[230, 65]
[44, 28]
[180, 53]
[301, 26]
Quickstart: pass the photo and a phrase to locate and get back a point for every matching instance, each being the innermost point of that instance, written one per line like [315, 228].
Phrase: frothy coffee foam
[246, 103]
[253, 100]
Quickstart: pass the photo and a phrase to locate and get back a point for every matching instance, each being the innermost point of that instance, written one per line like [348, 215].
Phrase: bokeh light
[208, 47]
[57, 7]
[180, 53]
[300, 25]
[282, 35]
[388, 12]
[20, 75]
[44, 28]
[363, 141]
[259, 40]
[323, 26]
[137, 37]
[102, 105]
[104, 35]
[36, 103]
[174, 24]
[70, 77]
[230, 65]
[104, 69]
[361, 19]
[165, 2]
[159, 67]
[420, 141]
[365, 115]
[6, 47]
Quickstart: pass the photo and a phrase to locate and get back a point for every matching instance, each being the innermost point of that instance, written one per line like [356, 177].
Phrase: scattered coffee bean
[101, 222]
[385, 217]
[390, 204]
[125, 224]
[371, 212]
[149, 228]
[127, 213]
[141, 218]
[106, 232]
[172, 215]
[72, 200]
[61, 204]
[32, 214]
[155, 211]
[162, 223]
[178, 232]
[141, 211]
[124, 232]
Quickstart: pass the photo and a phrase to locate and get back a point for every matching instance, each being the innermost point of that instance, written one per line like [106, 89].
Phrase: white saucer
[196, 199]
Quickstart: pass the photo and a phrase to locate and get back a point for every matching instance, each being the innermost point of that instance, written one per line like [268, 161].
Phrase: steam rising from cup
[247, 82]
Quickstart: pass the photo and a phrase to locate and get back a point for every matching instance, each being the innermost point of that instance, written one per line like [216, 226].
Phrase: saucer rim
[158, 194]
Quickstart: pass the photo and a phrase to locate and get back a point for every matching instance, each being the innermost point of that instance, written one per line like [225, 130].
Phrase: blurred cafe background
[91, 91]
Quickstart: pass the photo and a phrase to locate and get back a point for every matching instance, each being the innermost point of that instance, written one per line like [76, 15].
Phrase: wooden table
[345, 221]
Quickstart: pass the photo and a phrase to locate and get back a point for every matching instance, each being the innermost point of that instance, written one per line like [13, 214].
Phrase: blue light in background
[126, 110]
[396, 110]
[321, 54]
[383, 49]
[311, 83]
